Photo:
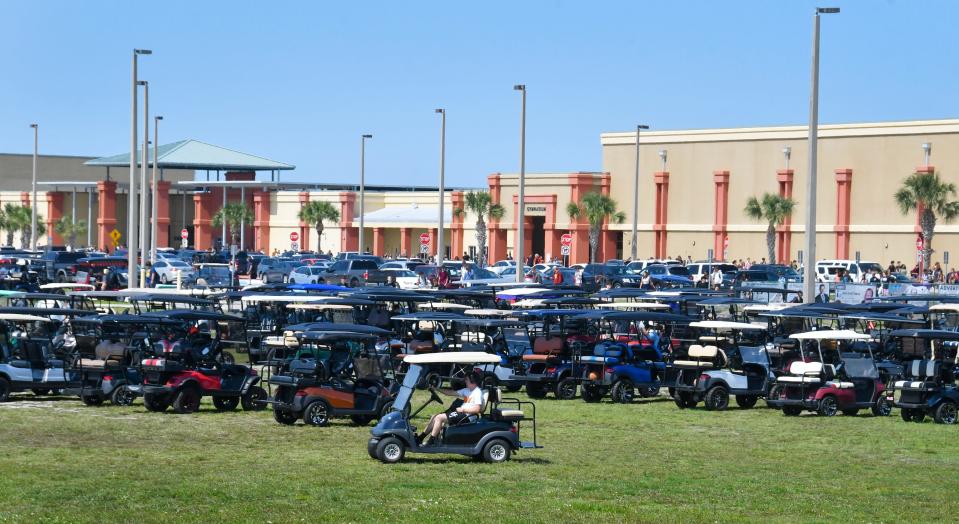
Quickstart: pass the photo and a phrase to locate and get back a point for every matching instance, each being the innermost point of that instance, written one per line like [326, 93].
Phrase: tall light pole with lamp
[132, 226]
[33, 198]
[153, 190]
[439, 231]
[636, 195]
[809, 269]
[144, 189]
[521, 207]
[362, 186]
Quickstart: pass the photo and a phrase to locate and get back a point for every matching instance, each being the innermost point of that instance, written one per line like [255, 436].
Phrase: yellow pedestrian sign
[115, 235]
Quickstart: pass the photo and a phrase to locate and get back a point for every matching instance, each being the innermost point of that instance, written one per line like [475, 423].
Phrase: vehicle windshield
[615, 270]
[402, 273]
[407, 388]
[316, 270]
[868, 267]
[215, 271]
[517, 340]
[679, 270]
[860, 368]
[178, 264]
[753, 355]
[483, 273]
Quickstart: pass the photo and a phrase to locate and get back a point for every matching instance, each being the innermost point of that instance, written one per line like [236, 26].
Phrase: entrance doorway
[538, 238]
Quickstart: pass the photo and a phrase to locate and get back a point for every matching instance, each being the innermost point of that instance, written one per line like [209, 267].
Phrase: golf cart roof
[550, 313]
[947, 308]
[575, 301]
[632, 305]
[936, 334]
[192, 314]
[67, 285]
[19, 317]
[926, 297]
[528, 303]
[110, 295]
[722, 301]
[440, 306]
[883, 317]
[169, 297]
[453, 357]
[726, 325]
[488, 312]
[125, 319]
[650, 316]
[48, 311]
[333, 336]
[428, 315]
[830, 334]
[391, 295]
[299, 297]
[338, 326]
[317, 287]
[489, 322]
[347, 302]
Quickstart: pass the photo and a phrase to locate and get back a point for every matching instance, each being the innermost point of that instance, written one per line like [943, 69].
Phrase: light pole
[439, 232]
[362, 186]
[636, 194]
[132, 246]
[809, 269]
[521, 207]
[33, 199]
[926, 152]
[144, 189]
[153, 191]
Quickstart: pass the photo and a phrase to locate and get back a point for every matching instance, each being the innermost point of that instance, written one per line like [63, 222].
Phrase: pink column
[784, 232]
[662, 200]
[107, 213]
[304, 227]
[843, 202]
[720, 212]
[496, 240]
[54, 213]
[379, 241]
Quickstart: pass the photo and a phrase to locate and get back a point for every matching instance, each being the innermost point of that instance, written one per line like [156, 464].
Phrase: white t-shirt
[473, 397]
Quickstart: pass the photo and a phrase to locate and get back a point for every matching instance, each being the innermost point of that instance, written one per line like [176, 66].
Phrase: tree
[481, 204]
[774, 209]
[927, 194]
[316, 212]
[595, 208]
[18, 219]
[233, 215]
[70, 231]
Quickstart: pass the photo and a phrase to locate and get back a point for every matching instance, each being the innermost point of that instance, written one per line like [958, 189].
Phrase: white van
[698, 269]
[826, 270]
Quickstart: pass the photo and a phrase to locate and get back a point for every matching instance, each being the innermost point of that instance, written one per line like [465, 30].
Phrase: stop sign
[566, 239]
[425, 239]
[184, 233]
[918, 243]
[294, 236]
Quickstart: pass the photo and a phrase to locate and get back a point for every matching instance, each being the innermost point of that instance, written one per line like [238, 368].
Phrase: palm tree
[481, 204]
[929, 195]
[774, 209]
[315, 212]
[70, 231]
[233, 215]
[596, 208]
[11, 221]
[18, 218]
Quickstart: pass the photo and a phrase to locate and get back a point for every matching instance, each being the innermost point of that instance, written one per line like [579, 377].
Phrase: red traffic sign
[184, 233]
[726, 242]
[566, 239]
[294, 236]
[918, 243]
[425, 239]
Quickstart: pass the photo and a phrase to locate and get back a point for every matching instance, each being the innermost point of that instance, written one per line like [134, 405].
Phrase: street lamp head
[520, 87]
[143, 51]
[926, 146]
[662, 154]
[440, 110]
[158, 117]
[34, 126]
[827, 10]
[367, 136]
[787, 152]
[142, 82]
[642, 126]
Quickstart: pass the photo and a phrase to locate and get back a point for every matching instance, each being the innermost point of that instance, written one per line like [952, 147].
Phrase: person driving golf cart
[468, 406]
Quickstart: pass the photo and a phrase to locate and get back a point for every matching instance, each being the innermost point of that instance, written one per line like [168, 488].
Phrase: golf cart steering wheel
[434, 396]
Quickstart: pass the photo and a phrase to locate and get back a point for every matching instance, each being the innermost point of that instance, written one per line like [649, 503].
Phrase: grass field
[65, 462]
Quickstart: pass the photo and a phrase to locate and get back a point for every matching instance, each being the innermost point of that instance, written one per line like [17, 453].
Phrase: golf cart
[558, 340]
[840, 380]
[333, 374]
[32, 356]
[493, 435]
[929, 386]
[184, 370]
[509, 339]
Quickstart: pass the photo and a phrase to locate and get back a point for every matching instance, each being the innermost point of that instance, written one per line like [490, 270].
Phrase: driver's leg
[438, 422]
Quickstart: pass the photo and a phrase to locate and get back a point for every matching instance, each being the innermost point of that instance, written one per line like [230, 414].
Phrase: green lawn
[64, 462]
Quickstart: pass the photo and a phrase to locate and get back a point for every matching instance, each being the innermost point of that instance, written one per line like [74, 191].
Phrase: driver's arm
[471, 409]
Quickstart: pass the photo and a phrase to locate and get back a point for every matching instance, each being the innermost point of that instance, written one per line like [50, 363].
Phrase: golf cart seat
[498, 413]
[803, 373]
[925, 375]
[544, 349]
[699, 357]
[604, 354]
[421, 346]
[100, 364]
[840, 384]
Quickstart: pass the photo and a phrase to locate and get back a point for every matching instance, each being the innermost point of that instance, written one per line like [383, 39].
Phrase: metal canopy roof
[196, 155]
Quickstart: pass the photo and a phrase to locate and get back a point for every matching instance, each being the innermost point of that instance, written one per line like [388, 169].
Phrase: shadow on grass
[456, 459]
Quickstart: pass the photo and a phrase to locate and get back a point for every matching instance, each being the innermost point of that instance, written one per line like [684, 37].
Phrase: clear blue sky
[299, 82]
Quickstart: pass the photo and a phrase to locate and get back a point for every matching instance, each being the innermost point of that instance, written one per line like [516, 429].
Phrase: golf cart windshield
[406, 389]
[860, 367]
[753, 355]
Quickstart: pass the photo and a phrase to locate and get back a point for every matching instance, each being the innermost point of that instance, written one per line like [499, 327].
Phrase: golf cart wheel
[122, 396]
[717, 398]
[649, 391]
[746, 401]
[828, 406]
[946, 412]
[4, 389]
[385, 410]
[672, 392]
[496, 451]
[882, 407]
[187, 400]
[226, 403]
[535, 390]
[906, 414]
[775, 393]
[40, 392]
[622, 392]
[371, 447]
[227, 358]
[512, 387]
[592, 394]
[163, 279]
[361, 420]
[93, 400]
[792, 411]
[684, 399]
[566, 389]
[284, 416]
[489, 382]
[156, 403]
[850, 412]
[254, 399]
[432, 380]
[317, 413]
[390, 450]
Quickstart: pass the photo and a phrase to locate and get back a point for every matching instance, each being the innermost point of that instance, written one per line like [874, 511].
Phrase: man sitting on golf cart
[469, 404]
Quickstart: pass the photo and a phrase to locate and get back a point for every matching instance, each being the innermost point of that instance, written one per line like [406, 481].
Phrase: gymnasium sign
[535, 210]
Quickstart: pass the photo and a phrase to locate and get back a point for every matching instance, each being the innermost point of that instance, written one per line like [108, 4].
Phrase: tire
[489, 382]
[385, 410]
[717, 398]
[432, 379]
[122, 396]
[622, 392]
[496, 451]
[746, 401]
[906, 414]
[684, 399]
[226, 403]
[187, 400]
[882, 407]
[163, 279]
[512, 387]
[317, 413]
[649, 391]
[371, 447]
[671, 391]
[93, 400]
[253, 399]
[284, 416]
[361, 420]
[566, 389]
[850, 412]
[535, 390]
[947, 412]
[156, 403]
[40, 392]
[390, 450]
[592, 394]
[828, 406]
[792, 411]
[227, 358]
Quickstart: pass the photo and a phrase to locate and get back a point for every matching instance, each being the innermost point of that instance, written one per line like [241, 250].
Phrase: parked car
[755, 275]
[214, 275]
[90, 270]
[402, 264]
[671, 274]
[355, 272]
[404, 278]
[698, 269]
[827, 270]
[306, 275]
[500, 265]
[594, 275]
[170, 268]
[782, 271]
[61, 266]
[275, 269]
